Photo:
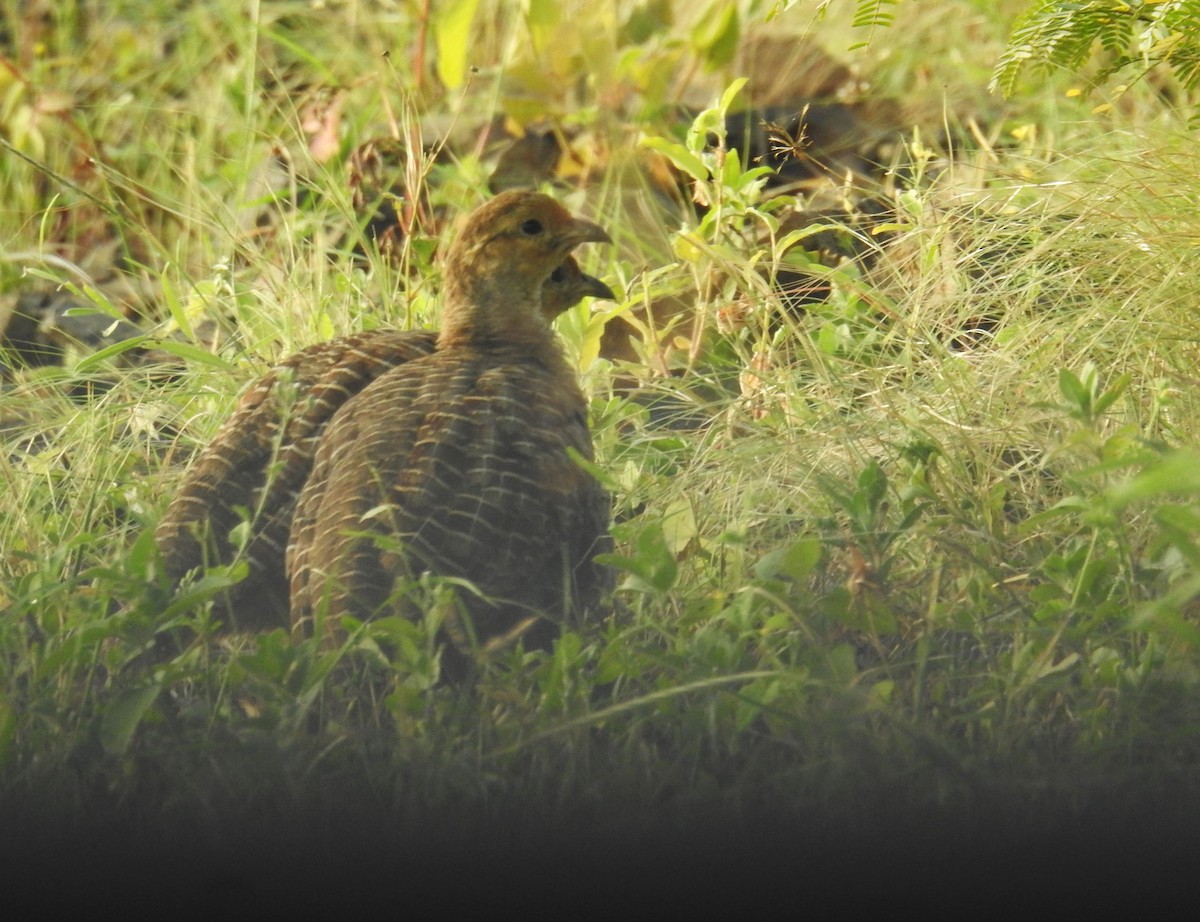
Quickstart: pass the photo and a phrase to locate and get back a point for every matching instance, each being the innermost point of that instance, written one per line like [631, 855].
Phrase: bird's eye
[532, 227]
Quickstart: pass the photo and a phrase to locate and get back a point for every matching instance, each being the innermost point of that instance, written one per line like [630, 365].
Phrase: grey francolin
[251, 474]
[464, 462]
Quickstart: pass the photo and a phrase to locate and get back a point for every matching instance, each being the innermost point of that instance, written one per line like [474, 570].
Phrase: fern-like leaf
[1066, 34]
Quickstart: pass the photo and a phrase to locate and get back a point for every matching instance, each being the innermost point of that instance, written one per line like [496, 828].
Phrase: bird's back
[254, 468]
[458, 464]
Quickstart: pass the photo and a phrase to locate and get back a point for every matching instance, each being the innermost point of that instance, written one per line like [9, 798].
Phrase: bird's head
[567, 286]
[496, 268]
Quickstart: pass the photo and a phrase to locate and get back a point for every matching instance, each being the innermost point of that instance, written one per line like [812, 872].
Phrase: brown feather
[259, 460]
[460, 463]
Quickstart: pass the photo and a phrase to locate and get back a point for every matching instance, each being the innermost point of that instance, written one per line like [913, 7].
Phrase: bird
[465, 463]
[248, 477]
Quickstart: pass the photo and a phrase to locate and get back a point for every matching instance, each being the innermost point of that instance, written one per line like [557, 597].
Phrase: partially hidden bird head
[498, 265]
[567, 286]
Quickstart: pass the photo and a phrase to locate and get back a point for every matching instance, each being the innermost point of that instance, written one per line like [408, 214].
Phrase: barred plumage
[462, 462]
[253, 470]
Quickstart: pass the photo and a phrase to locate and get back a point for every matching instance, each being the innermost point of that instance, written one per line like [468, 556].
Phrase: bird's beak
[581, 231]
[593, 287]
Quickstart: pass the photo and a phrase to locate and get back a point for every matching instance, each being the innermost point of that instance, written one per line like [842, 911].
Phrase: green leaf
[88, 362]
[647, 19]
[652, 568]
[1073, 390]
[842, 662]
[98, 303]
[452, 33]
[870, 14]
[1166, 615]
[872, 488]
[730, 94]
[175, 306]
[731, 169]
[122, 716]
[1050, 668]
[791, 238]
[542, 19]
[192, 353]
[679, 525]
[8, 727]
[679, 155]
[316, 63]
[1175, 475]
[792, 561]
[1180, 527]
[214, 581]
[715, 37]
[142, 554]
[708, 122]
[1106, 400]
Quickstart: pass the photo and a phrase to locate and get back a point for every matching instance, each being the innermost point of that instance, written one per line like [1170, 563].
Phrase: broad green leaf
[686, 247]
[843, 663]
[325, 328]
[872, 486]
[1072, 389]
[452, 33]
[679, 525]
[652, 568]
[589, 344]
[1176, 474]
[1106, 400]
[141, 554]
[715, 36]
[731, 169]
[793, 561]
[1166, 615]
[542, 19]
[679, 155]
[731, 92]
[122, 716]
[214, 581]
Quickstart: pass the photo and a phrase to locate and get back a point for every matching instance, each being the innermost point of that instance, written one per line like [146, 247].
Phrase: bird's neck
[498, 312]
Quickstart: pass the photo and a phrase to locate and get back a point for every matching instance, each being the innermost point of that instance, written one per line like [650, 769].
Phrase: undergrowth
[930, 541]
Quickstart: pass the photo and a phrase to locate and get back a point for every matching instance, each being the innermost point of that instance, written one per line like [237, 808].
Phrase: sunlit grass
[934, 537]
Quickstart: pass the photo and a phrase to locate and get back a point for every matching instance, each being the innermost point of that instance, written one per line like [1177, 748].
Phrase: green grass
[893, 574]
